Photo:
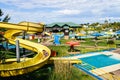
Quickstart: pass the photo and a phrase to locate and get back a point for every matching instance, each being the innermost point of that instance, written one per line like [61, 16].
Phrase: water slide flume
[28, 65]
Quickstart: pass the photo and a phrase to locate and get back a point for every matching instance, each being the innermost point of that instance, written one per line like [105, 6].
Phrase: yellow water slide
[30, 64]
[47, 33]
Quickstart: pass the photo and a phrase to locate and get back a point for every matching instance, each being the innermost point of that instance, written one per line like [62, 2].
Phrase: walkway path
[117, 51]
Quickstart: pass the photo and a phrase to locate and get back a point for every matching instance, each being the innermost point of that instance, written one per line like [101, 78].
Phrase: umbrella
[79, 35]
[96, 34]
[117, 32]
[72, 43]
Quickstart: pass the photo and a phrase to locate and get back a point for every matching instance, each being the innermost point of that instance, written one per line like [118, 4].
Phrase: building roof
[62, 24]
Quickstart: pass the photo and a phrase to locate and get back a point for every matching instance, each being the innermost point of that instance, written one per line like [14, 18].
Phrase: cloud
[69, 12]
[38, 16]
[60, 10]
[81, 5]
[110, 18]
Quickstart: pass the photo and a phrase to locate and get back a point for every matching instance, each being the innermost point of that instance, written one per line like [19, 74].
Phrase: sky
[49, 11]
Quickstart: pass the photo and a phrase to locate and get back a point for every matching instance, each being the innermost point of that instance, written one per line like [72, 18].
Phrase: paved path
[116, 50]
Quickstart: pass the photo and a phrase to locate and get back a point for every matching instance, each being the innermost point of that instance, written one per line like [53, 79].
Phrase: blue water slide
[9, 46]
[56, 39]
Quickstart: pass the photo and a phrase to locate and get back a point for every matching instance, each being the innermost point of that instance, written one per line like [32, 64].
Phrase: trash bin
[53, 53]
[31, 37]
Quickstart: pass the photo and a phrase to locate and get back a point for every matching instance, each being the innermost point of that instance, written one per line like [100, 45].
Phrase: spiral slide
[11, 67]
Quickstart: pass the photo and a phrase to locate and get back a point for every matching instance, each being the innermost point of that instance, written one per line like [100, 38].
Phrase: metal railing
[99, 71]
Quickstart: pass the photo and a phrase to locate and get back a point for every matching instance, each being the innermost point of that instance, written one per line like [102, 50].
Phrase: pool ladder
[97, 71]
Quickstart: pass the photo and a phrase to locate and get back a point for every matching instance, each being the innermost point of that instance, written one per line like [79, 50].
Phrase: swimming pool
[100, 60]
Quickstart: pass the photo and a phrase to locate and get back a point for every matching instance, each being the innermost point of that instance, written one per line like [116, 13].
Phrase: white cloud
[99, 12]
[38, 16]
[69, 12]
[81, 5]
[95, 8]
[110, 18]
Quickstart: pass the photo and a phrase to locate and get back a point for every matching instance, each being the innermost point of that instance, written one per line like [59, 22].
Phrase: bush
[110, 42]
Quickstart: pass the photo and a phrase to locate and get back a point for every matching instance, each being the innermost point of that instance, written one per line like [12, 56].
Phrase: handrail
[110, 76]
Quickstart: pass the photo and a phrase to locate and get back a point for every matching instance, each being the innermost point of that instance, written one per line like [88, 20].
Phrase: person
[72, 48]
[39, 40]
[45, 53]
[96, 38]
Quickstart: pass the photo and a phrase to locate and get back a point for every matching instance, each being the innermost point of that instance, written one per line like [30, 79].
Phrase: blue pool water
[100, 60]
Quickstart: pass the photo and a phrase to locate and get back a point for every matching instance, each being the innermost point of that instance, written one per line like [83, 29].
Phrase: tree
[5, 19]
[94, 26]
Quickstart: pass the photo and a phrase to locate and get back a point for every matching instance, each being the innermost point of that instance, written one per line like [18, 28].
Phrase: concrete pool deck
[112, 67]
[102, 70]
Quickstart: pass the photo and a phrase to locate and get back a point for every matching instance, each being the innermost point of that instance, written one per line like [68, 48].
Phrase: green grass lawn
[88, 42]
[47, 71]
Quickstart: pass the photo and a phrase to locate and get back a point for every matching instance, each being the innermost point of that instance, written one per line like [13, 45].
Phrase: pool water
[100, 60]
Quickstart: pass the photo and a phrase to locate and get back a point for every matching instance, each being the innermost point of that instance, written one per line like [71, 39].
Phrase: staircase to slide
[97, 71]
